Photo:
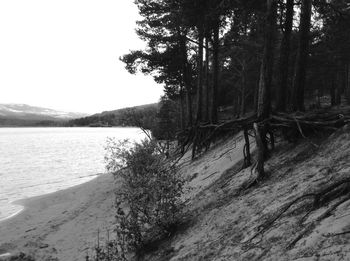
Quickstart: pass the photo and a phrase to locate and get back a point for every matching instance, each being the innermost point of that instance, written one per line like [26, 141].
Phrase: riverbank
[63, 224]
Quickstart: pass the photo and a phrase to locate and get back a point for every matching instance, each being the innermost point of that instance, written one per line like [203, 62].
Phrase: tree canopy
[220, 60]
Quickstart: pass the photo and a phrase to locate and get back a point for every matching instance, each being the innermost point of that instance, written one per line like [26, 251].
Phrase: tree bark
[244, 68]
[339, 84]
[284, 57]
[247, 159]
[348, 82]
[333, 91]
[243, 87]
[199, 117]
[182, 112]
[260, 152]
[256, 94]
[207, 85]
[214, 111]
[302, 56]
[264, 96]
[186, 79]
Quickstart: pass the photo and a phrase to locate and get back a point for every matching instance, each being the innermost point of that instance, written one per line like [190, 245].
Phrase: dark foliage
[122, 117]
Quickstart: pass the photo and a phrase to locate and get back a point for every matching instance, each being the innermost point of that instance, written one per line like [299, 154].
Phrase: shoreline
[14, 214]
[62, 224]
[21, 203]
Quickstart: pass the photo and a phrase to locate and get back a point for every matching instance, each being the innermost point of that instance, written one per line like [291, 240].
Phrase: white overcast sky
[64, 54]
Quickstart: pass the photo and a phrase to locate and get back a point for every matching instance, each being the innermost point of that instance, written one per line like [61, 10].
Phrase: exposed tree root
[337, 234]
[320, 198]
[292, 124]
[312, 225]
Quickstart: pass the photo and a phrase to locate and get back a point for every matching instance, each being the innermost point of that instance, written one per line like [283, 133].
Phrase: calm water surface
[36, 161]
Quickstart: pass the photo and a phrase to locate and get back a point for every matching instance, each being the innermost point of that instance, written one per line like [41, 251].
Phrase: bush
[148, 201]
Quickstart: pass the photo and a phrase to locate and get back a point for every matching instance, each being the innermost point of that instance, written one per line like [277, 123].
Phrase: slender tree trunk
[256, 94]
[189, 106]
[332, 90]
[215, 92]
[244, 86]
[284, 57]
[244, 68]
[339, 84]
[302, 56]
[199, 117]
[236, 106]
[348, 82]
[260, 152]
[207, 85]
[182, 112]
[186, 79]
[264, 97]
[247, 159]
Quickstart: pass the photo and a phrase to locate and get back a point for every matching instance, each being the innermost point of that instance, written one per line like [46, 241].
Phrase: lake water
[37, 161]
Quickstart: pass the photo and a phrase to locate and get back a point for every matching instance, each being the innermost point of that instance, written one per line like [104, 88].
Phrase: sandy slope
[224, 218]
[63, 224]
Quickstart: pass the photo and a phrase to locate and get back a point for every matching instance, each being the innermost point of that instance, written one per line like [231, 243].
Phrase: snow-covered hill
[27, 112]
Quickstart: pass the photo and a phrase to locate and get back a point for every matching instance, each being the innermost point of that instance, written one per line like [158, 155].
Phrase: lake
[37, 161]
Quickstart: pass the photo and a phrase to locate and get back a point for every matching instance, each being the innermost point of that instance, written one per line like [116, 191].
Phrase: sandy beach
[61, 225]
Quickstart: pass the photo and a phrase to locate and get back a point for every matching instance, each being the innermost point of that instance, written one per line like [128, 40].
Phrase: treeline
[244, 56]
[13, 122]
[215, 53]
[133, 116]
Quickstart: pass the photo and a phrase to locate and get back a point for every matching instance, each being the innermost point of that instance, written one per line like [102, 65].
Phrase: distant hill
[120, 117]
[26, 115]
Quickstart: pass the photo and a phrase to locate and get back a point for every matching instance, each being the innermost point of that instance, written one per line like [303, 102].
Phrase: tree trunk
[186, 80]
[302, 56]
[339, 84]
[264, 102]
[199, 117]
[244, 68]
[247, 160]
[348, 82]
[207, 85]
[260, 152]
[243, 87]
[284, 57]
[264, 96]
[256, 94]
[332, 91]
[236, 106]
[214, 111]
[182, 112]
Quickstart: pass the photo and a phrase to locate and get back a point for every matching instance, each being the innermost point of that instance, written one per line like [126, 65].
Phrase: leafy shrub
[148, 200]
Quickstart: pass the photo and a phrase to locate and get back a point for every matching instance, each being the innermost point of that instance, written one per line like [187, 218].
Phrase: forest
[132, 116]
[263, 67]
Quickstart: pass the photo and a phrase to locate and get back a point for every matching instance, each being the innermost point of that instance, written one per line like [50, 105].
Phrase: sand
[224, 217]
[62, 225]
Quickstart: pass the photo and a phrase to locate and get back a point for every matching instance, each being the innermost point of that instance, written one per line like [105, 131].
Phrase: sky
[64, 55]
